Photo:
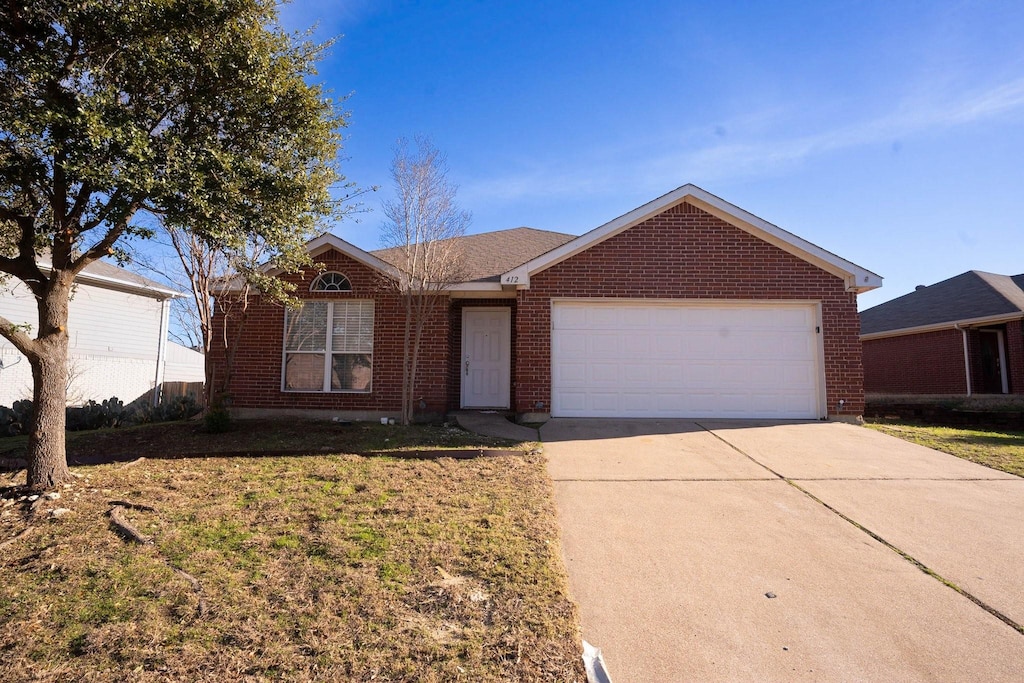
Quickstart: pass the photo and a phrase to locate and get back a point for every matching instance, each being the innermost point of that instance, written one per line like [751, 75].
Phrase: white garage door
[643, 359]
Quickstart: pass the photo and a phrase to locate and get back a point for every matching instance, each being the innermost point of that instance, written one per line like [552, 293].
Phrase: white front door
[486, 357]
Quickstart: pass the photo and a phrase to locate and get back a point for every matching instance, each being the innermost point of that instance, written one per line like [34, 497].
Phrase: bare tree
[225, 276]
[423, 222]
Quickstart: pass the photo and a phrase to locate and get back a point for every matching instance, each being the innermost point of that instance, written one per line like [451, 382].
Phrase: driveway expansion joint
[897, 478]
[661, 479]
[906, 556]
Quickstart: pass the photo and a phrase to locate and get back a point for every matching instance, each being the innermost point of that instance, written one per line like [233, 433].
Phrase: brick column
[1015, 355]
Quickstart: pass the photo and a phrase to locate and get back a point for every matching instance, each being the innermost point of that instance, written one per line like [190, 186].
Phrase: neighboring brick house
[685, 307]
[964, 335]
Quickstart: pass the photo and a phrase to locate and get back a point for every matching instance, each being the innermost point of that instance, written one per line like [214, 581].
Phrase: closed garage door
[643, 359]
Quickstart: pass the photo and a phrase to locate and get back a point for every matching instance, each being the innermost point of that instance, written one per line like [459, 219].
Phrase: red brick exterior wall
[682, 253]
[685, 253]
[256, 381]
[1015, 355]
[929, 363]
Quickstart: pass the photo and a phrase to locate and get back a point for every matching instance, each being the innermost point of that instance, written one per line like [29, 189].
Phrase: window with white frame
[331, 281]
[328, 346]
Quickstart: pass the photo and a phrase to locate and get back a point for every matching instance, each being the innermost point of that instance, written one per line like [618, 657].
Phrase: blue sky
[891, 133]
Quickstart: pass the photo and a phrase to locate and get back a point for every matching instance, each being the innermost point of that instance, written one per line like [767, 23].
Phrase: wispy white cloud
[724, 158]
[329, 17]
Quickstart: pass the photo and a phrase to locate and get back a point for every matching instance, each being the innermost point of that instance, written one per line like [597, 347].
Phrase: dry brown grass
[322, 567]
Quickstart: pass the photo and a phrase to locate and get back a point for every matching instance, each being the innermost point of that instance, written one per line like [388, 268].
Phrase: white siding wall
[113, 341]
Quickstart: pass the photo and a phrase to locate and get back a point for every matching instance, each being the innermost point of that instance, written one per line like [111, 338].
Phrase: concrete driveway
[725, 550]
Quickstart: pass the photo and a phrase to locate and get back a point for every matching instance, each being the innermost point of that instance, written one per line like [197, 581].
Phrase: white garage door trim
[687, 358]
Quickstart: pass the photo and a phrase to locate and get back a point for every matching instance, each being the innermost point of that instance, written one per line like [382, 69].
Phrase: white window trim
[327, 353]
[320, 277]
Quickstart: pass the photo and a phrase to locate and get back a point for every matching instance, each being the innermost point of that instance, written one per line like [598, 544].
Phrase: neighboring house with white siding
[118, 346]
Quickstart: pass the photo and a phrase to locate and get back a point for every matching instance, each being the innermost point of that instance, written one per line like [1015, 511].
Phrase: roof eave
[857, 279]
[327, 241]
[152, 291]
[946, 325]
[474, 287]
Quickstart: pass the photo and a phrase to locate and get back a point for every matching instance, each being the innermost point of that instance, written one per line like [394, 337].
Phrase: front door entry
[993, 362]
[486, 357]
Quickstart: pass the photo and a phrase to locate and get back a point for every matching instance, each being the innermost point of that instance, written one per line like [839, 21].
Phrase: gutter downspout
[161, 349]
[967, 359]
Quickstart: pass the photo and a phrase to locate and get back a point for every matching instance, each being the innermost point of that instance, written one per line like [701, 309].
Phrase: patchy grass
[1001, 450]
[275, 437]
[976, 402]
[321, 567]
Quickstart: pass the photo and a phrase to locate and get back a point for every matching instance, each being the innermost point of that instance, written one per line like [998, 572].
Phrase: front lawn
[1001, 450]
[329, 566]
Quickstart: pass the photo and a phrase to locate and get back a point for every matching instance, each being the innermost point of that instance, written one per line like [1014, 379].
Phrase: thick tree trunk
[47, 457]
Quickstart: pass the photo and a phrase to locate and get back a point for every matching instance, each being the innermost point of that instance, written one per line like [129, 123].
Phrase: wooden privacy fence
[173, 390]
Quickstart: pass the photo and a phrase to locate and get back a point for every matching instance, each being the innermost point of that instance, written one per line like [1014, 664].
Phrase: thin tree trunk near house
[413, 362]
[220, 389]
[47, 457]
[406, 360]
[210, 378]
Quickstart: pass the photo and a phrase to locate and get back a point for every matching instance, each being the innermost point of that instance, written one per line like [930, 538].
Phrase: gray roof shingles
[974, 294]
[104, 269]
[489, 254]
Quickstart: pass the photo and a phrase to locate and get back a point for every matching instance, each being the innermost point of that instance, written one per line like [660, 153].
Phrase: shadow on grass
[265, 439]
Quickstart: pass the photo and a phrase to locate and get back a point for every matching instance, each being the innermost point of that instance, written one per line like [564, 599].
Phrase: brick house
[964, 335]
[687, 306]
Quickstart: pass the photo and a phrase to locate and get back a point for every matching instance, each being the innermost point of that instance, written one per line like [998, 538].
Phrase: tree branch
[81, 200]
[103, 213]
[18, 337]
[125, 528]
[23, 266]
[105, 245]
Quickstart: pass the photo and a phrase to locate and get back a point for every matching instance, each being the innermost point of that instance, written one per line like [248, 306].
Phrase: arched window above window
[331, 282]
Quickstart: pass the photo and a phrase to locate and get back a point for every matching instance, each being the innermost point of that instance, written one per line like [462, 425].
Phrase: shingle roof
[108, 275]
[974, 294]
[109, 270]
[489, 254]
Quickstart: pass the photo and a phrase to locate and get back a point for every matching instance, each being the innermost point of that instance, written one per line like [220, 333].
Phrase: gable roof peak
[857, 279]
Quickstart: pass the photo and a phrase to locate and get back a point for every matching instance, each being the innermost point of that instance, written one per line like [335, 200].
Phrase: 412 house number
[510, 280]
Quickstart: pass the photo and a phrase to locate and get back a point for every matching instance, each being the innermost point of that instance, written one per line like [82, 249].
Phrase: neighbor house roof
[109, 276]
[489, 254]
[971, 298]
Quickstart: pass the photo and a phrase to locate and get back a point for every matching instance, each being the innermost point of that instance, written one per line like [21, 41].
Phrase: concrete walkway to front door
[724, 550]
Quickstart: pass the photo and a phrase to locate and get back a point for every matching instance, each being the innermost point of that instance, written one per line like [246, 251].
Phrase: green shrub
[110, 413]
[217, 420]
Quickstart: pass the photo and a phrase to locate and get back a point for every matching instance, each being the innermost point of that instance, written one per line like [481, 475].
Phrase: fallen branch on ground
[127, 531]
[196, 586]
[130, 506]
[125, 528]
[21, 534]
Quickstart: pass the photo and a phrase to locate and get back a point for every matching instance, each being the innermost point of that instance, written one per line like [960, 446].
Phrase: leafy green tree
[202, 112]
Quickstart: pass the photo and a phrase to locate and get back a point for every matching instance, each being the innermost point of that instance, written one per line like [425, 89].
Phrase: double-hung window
[328, 346]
